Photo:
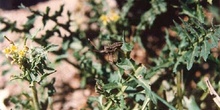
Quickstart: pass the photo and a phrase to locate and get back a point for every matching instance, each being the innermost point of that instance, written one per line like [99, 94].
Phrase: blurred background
[13, 4]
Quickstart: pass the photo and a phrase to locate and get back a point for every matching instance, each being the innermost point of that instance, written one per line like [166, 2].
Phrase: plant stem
[108, 106]
[120, 93]
[50, 100]
[35, 97]
[179, 90]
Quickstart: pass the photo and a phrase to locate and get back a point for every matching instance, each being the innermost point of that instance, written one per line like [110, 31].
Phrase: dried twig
[212, 91]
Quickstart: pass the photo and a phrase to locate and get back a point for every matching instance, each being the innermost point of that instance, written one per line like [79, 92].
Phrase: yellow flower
[114, 16]
[21, 53]
[6, 51]
[26, 48]
[17, 55]
[105, 19]
[13, 48]
[10, 50]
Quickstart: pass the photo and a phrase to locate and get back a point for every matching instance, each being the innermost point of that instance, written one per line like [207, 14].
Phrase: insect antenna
[9, 40]
[96, 50]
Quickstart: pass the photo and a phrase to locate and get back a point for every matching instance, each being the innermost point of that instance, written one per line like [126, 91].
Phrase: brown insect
[110, 51]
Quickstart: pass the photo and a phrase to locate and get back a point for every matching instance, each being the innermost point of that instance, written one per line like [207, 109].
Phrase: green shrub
[119, 80]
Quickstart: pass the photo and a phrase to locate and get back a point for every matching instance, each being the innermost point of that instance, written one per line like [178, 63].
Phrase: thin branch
[212, 92]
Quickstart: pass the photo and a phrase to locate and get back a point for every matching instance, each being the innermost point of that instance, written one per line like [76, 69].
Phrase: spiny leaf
[190, 57]
[214, 38]
[122, 102]
[126, 64]
[190, 30]
[206, 47]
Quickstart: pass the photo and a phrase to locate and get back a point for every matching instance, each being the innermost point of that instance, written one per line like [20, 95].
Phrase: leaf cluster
[125, 84]
[195, 41]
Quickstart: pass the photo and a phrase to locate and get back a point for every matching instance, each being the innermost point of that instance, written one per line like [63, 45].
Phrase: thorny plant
[124, 84]
[35, 69]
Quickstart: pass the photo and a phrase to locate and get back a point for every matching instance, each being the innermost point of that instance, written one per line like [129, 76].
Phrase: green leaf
[45, 76]
[168, 42]
[77, 45]
[127, 47]
[4, 72]
[131, 83]
[200, 13]
[122, 102]
[191, 29]
[190, 57]
[175, 67]
[202, 85]
[66, 44]
[115, 77]
[139, 97]
[155, 69]
[47, 11]
[141, 70]
[145, 84]
[186, 10]
[214, 40]
[191, 103]
[60, 57]
[153, 96]
[162, 6]
[206, 47]
[51, 47]
[112, 86]
[92, 99]
[126, 64]
[97, 67]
